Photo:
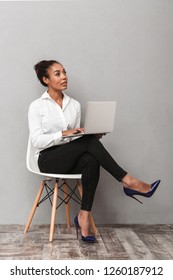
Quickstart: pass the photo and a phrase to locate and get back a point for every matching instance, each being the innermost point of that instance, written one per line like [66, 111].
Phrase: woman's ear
[46, 80]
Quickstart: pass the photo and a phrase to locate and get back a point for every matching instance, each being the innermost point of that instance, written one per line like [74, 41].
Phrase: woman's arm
[42, 140]
[39, 139]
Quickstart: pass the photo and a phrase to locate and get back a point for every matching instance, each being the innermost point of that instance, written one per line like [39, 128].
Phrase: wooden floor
[122, 242]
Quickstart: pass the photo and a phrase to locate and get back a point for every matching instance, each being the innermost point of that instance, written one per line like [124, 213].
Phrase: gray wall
[112, 49]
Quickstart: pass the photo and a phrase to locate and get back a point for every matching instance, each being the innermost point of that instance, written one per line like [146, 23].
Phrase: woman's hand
[72, 131]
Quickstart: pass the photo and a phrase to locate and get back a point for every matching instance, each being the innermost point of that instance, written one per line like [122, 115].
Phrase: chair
[69, 192]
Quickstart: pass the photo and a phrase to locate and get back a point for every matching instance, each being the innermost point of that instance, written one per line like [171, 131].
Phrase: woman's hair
[41, 69]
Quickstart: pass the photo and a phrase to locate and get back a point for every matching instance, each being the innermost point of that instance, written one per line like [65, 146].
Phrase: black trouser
[83, 155]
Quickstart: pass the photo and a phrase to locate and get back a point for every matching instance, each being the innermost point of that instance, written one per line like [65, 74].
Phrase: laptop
[99, 118]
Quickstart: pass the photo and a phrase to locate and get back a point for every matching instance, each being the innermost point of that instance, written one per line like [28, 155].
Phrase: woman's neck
[57, 96]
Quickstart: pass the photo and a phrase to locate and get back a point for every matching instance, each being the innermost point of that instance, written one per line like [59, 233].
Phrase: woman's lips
[64, 84]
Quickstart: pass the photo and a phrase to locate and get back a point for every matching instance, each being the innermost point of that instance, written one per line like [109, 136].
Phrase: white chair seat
[33, 166]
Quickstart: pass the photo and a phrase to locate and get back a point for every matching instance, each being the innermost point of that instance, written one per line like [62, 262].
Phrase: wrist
[64, 132]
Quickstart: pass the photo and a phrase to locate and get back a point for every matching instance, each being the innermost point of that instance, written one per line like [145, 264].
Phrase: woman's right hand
[72, 131]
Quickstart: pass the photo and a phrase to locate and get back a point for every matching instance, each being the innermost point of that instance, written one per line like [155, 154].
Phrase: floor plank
[117, 242]
[133, 245]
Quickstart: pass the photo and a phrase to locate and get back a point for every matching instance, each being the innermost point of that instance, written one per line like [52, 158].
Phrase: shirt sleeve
[39, 139]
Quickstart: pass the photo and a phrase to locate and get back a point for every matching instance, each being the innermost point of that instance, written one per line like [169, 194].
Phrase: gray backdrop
[112, 49]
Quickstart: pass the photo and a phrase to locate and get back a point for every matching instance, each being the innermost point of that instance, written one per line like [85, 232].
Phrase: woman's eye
[59, 74]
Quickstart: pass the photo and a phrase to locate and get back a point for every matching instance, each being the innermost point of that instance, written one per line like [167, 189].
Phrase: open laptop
[99, 118]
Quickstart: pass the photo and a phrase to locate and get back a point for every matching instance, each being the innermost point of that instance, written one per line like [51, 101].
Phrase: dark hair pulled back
[41, 69]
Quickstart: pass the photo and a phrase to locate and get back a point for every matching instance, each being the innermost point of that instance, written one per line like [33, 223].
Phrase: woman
[55, 115]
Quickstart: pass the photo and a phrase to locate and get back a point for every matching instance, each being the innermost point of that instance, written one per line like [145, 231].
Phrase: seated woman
[55, 115]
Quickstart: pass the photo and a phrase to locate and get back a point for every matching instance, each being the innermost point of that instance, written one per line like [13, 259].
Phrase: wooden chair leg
[67, 206]
[34, 206]
[53, 216]
[91, 218]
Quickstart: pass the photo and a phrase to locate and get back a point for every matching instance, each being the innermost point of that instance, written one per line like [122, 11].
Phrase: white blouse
[47, 120]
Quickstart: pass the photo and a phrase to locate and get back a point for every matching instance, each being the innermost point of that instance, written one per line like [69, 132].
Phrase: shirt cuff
[57, 137]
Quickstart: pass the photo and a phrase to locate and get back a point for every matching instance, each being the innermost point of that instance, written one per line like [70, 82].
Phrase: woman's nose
[64, 76]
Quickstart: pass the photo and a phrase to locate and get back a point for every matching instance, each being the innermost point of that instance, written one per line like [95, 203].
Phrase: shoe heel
[76, 226]
[77, 235]
[89, 238]
[135, 199]
[131, 192]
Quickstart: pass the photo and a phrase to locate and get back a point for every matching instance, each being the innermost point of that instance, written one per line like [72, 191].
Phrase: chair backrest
[31, 161]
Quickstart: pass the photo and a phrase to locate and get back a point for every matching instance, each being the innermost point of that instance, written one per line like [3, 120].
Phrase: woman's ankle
[133, 183]
[83, 219]
[127, 181]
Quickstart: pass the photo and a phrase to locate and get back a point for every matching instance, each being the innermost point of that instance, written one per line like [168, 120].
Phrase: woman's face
[57, 77]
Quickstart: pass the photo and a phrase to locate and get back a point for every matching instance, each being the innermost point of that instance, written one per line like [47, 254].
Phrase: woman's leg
[90, 169]
[65, 157]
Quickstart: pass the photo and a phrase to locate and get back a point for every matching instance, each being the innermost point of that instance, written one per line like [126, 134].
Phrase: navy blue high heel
[131, 192]
[89, 238]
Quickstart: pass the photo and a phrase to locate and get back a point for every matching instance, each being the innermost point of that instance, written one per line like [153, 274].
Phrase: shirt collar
[66, 98]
